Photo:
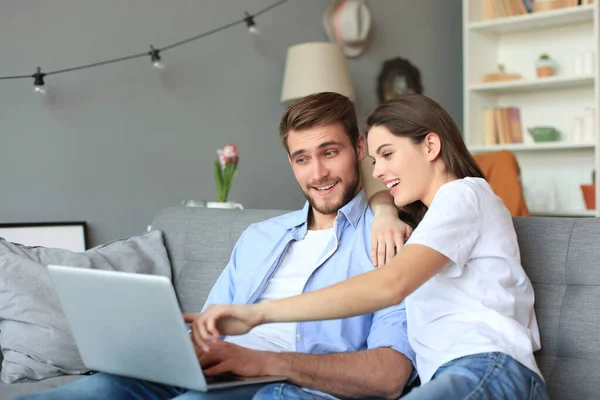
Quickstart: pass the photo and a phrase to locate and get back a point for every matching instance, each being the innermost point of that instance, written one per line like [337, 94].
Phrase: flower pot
[223, 204]
[589, 196]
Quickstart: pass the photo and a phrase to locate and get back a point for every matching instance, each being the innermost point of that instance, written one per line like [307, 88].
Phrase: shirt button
[298, 336]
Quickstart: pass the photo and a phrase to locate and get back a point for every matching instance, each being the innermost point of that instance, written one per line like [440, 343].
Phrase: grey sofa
[560, 255]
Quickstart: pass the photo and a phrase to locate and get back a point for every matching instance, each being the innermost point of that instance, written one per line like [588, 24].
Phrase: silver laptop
[131, 325]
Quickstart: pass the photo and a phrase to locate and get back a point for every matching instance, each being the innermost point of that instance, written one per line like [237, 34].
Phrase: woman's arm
[362, 294]
[388, 232]
[383, 201]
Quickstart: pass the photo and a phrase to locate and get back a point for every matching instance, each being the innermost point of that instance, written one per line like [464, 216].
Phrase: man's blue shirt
[259, 251]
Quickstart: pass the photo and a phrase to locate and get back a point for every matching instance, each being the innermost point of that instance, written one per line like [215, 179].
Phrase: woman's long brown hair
[415, 116]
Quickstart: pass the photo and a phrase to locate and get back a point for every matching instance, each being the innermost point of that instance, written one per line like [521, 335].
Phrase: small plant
[593, 177]
[225, 170]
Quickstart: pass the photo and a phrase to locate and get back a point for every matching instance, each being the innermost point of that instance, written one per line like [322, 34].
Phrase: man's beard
[348, 194]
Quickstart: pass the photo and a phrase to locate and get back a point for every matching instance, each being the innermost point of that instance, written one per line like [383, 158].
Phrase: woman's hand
[387, 237]
[217, 320]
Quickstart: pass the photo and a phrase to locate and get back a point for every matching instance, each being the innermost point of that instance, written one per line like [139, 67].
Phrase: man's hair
[318, 110]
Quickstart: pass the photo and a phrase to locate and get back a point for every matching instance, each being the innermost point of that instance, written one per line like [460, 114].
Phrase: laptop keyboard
[222, 378]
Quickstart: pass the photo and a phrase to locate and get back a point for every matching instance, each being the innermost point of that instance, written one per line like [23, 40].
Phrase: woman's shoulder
[468, 189]
[466, 195]
[477, 187]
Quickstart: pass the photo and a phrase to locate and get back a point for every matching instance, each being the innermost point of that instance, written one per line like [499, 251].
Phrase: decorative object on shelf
[313, 68]
[348, 23]
[589, 193]
[398, 77]
[545, 5]
[500, 76]
[545, 66]
[589, 125]
[544, 133]
[225, 170]
[584, 64]
[584, 128]
[577, 133]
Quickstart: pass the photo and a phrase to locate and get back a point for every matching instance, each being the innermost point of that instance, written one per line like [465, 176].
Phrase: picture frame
[398, 77]
[68, 235]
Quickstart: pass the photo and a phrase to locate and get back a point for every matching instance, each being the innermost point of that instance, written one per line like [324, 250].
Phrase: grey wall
[115, 144]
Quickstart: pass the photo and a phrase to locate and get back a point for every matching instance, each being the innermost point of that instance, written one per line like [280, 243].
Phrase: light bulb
[155, 58]
[39, 86]
[40, 90]
[252, 28]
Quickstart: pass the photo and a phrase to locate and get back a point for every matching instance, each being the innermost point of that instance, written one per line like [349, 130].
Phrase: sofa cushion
[34, 334]
[562, 258]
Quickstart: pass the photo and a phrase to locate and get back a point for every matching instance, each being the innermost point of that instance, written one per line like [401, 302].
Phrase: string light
[39, 86]
[39, 83]
[155, 58]
[249, 19]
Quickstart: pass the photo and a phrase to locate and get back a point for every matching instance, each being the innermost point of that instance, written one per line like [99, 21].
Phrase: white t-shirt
[299, 262]
[482, 301]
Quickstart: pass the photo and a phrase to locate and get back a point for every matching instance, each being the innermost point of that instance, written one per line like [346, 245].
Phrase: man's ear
[433, 146]
[361, 148]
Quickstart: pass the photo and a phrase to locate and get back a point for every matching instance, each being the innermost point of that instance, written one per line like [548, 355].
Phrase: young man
[327, 241]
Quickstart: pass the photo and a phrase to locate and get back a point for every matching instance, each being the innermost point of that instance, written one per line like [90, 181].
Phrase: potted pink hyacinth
[225, 170]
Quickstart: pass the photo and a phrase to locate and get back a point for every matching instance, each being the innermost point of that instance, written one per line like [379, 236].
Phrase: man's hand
[388, 235]
[228, 357]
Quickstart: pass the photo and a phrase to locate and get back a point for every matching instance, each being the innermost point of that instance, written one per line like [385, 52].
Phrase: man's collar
[352, 211]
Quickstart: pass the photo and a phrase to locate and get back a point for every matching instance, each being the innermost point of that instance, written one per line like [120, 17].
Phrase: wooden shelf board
[529, 85]
[536, 21]
[547, 146]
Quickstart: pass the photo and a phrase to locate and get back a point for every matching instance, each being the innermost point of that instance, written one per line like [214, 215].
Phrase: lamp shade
[313, 68]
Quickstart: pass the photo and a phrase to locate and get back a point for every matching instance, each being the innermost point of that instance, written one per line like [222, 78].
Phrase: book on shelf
[509, 8]
[502, 125]
[505, 8]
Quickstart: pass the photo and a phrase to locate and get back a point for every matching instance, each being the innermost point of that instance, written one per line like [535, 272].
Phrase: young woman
[469, 302]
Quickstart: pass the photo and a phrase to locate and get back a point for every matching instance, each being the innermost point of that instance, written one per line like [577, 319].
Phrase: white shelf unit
[551, 172]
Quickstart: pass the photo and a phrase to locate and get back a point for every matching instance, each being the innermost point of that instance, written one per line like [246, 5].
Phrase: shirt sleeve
[223, 291]
[451, 226]
[389, 329]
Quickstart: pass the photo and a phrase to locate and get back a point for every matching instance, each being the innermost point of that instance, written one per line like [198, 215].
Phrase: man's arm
[382, 370]
[379, 372]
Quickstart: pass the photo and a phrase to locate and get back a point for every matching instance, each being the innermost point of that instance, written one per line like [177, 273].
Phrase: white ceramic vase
[223, 204]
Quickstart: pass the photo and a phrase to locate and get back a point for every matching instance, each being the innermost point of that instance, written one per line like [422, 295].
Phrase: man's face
[326, 165]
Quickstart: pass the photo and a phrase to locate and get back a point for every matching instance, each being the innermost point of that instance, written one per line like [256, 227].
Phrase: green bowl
[544, 134]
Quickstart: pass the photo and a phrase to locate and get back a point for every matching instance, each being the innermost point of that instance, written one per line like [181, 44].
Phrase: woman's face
[407, 169]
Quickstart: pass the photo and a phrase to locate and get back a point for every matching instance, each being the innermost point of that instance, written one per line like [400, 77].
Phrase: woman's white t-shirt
[482, 301]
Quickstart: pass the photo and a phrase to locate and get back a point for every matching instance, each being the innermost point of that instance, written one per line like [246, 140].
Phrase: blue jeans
[113, 387]
[481, 377]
